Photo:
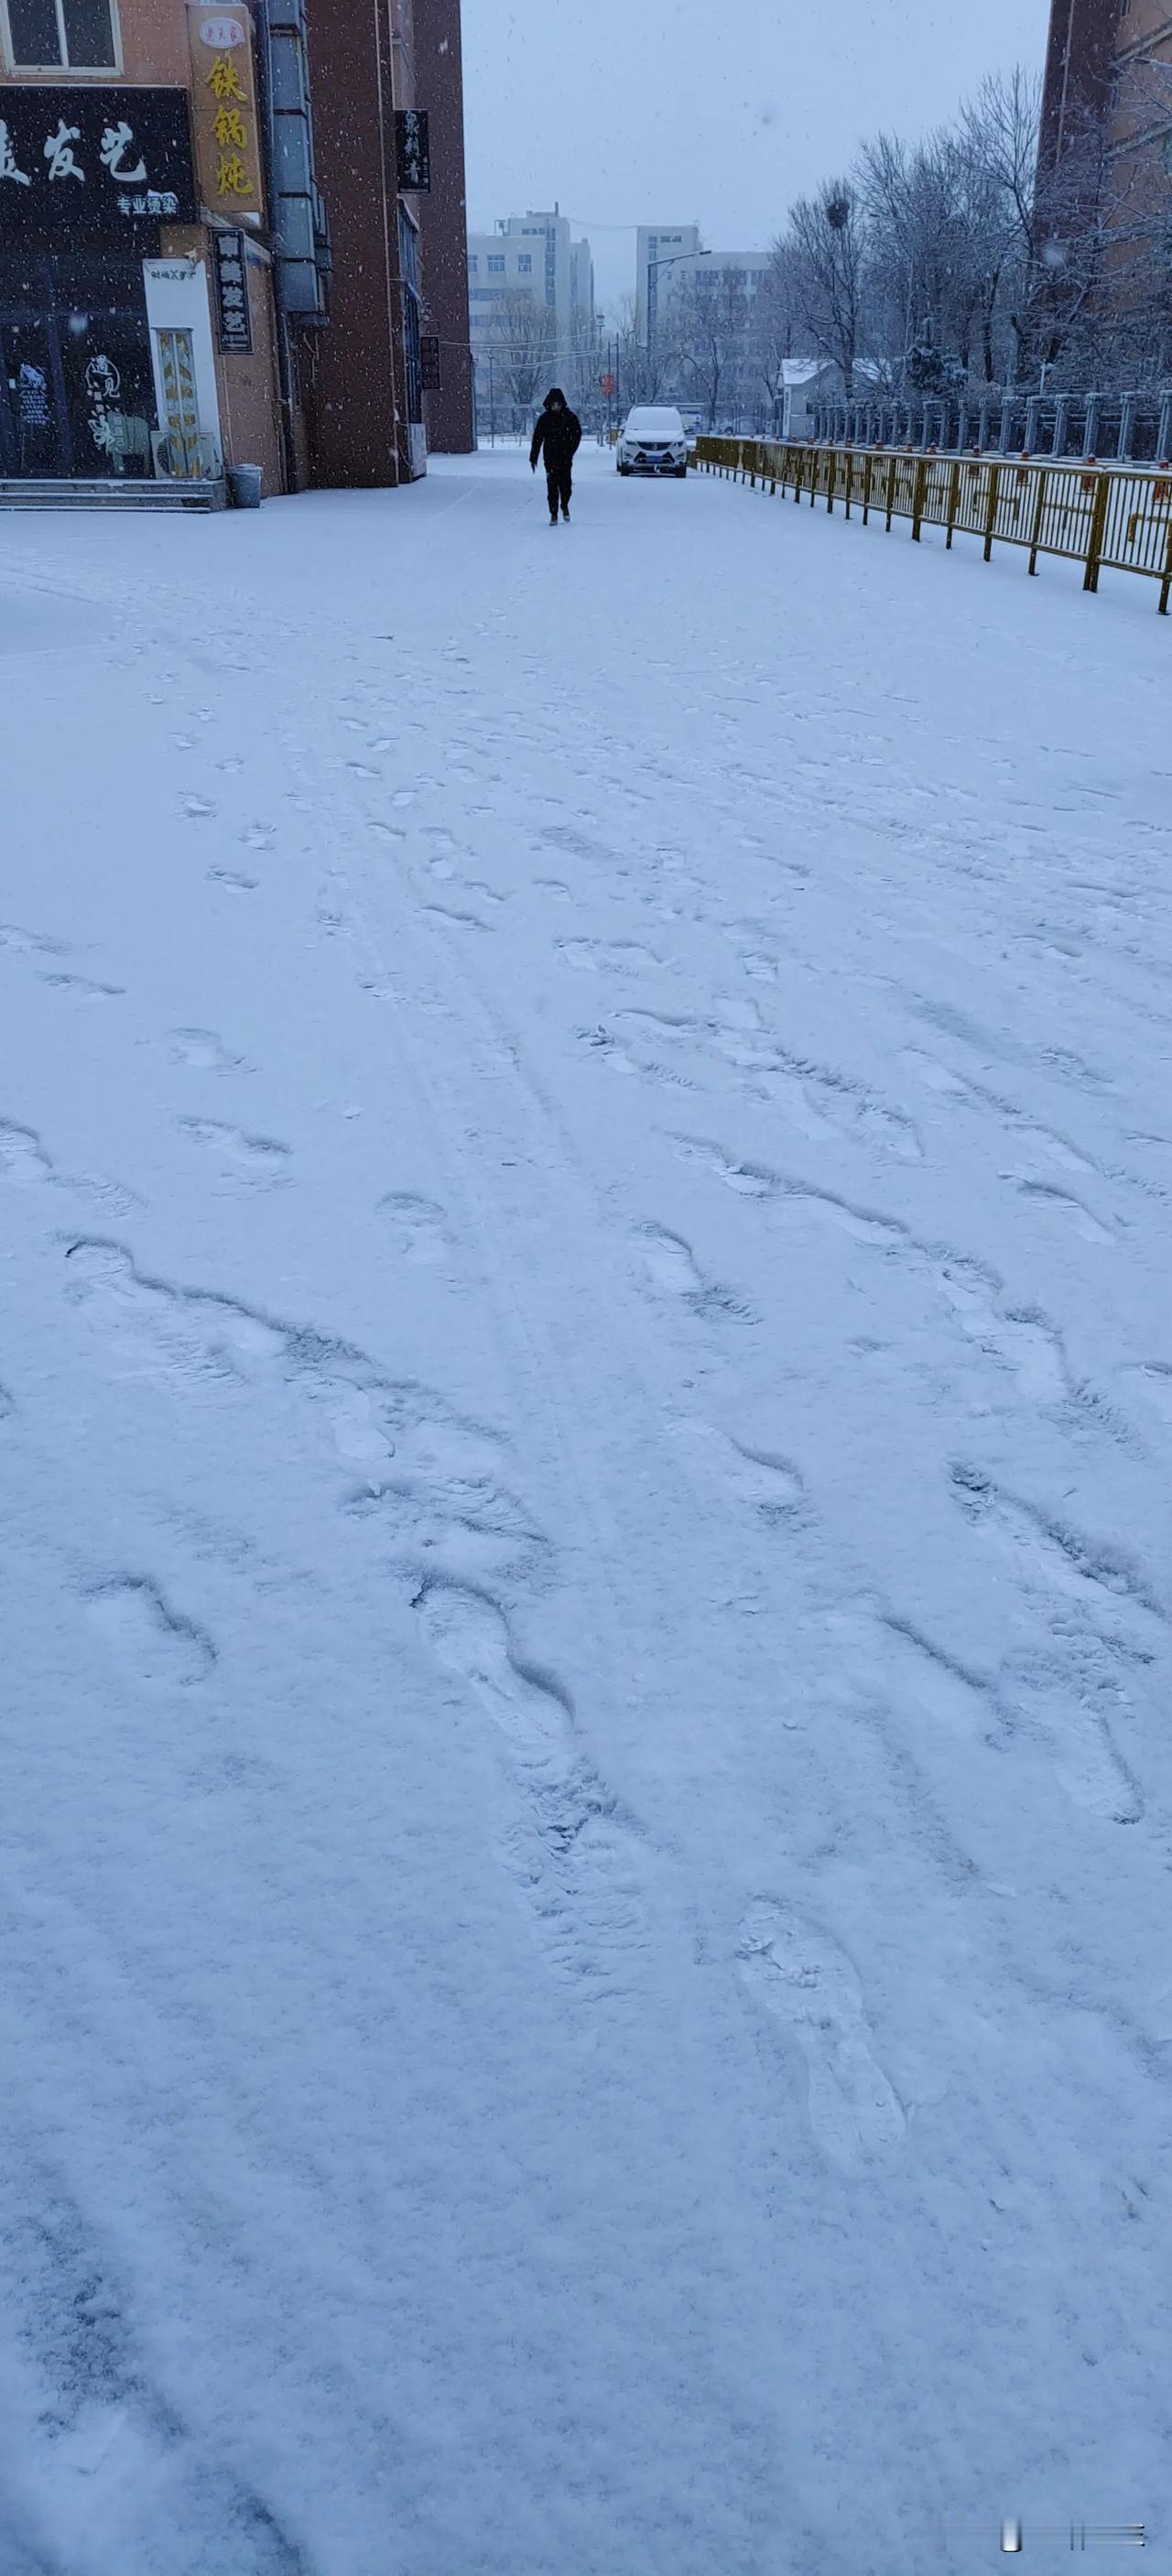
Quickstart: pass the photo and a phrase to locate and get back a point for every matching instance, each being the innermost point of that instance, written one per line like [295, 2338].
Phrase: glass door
[180, 404]
[35, 439]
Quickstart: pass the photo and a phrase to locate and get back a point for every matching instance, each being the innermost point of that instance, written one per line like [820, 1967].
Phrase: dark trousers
[559, 484]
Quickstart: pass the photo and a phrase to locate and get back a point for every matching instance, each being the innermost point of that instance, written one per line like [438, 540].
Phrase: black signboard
[413, 151]
[429, 360]
[233, 325]
[101, 163]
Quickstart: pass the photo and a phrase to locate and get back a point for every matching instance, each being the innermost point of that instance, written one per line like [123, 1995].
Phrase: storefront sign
[223, 99]
[99, 162]
[233, 325]
[413, 151]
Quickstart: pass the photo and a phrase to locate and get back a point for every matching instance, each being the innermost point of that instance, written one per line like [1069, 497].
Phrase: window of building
[473, 264]
[496, 263]
[80, 35]
[525, 263]
[409, 271]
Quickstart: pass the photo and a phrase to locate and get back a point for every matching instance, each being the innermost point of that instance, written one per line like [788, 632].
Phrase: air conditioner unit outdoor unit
[187, 460]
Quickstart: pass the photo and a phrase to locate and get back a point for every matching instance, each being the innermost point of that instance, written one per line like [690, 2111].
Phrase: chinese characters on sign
[429, 361]
[412, 150]
[96, 160]
[234, 328]
[59, 152]
[227, 133]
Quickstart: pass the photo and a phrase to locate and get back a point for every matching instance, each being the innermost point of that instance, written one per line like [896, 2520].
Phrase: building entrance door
[76, 388]
[31, 400]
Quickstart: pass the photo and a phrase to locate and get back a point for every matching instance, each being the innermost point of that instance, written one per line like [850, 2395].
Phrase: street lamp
[678, 260]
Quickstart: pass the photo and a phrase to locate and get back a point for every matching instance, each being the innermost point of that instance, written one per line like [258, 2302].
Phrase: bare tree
[773, 337]
[973, 257]
[822, 259]
[524, 348]
[649, 372]
[710, 314]
[930, 222]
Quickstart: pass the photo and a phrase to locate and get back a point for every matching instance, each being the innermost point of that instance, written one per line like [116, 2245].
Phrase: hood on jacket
[555, 395]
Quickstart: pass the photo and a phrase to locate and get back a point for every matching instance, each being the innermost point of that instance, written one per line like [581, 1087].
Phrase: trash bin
[244, 482]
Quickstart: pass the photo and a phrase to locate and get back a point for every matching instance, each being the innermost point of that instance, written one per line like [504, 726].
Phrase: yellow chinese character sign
[224, 79]
[223, 100]
[232, 179]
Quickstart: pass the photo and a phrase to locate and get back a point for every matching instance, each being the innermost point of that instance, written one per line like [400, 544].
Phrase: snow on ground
[587, 1385]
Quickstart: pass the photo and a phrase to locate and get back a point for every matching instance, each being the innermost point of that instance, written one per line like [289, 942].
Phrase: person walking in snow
[559, 433]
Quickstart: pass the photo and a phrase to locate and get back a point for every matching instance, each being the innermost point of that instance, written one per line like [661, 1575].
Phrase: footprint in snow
[257, 1158]
[232, 880]
[30, 942]
[667, 1265]
[769, 1484]
[418, 1227]
[800, 1977]
[204, 1051]
[22, 1160]
[84, 986]
[1044, 1193]
[440, 912]
[154, 1643]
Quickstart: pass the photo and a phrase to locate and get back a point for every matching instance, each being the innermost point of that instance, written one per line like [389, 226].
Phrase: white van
[653, 441]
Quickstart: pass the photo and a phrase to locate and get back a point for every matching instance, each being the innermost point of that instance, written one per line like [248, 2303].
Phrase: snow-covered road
[586, 1357]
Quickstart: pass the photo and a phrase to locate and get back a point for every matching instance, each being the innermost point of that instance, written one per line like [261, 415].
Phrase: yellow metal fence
[1097, 515]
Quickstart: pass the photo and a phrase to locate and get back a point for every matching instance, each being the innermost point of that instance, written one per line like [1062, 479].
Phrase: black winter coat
[559, 432]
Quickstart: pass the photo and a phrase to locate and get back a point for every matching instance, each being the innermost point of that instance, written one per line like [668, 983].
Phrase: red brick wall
[440, 86]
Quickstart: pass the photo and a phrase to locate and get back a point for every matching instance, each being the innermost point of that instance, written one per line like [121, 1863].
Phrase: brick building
[210, 242]
[1107, 121]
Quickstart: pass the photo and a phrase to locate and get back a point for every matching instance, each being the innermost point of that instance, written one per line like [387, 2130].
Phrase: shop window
[78, 35]
[409, 267]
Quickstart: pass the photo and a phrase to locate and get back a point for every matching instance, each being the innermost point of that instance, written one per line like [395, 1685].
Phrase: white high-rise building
[663, 251]
[532, 255]
[668, 254]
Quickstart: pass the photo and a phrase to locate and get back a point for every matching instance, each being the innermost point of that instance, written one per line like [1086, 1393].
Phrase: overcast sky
[645, 111]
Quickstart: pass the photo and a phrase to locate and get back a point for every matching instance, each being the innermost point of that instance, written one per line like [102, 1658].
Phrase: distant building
[532, 255]
[660, 249]
[669, 254]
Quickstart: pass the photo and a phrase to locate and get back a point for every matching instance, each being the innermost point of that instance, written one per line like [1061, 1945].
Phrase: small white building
[805, 381]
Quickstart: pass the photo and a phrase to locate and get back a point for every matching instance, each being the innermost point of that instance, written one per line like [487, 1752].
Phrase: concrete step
[101, 492]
